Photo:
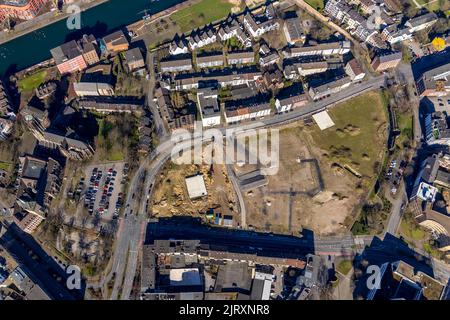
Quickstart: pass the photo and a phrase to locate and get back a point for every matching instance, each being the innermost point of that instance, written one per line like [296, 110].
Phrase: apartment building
[69, 57]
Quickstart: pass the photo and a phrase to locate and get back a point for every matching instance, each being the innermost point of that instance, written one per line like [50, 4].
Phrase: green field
[316, 4]
[358, 138]
[33, 81]
[201, 13]
[4, 166]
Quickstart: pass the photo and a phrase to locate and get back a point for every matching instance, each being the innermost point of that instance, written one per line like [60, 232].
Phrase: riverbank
[44, 20]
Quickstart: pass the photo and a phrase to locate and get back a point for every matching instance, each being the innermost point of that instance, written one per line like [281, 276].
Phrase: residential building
[209, 60]
[5, 101]
[229, 29]
[46, 89]
[69, 57]
[290, 102]
[421, 22]
[400, 281]
[386, 60]
[208, 105]
[435, 82]
[21, 9]
[293, 31]
[273, 79]
[116, 42]
[175, 118]
[134, 59]
[323, 49]
[93, 89]
[202, 37]
[258, 25]
[89, 49]
[269, 59]
[393, 34]
[436, 128]
[179, 45]
[71, 147]
[247, 109]
[354, 71]
[240, 57]
[6, 127]
[111, 105]
[177, 64]
[223, 78]
[309, 68]
[324, 90]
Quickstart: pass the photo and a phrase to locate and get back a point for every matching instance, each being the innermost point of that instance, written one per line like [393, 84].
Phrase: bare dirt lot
[293, 199]
[171, 196]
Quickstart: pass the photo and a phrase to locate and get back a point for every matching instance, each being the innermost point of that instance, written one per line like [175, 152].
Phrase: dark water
[34, 47]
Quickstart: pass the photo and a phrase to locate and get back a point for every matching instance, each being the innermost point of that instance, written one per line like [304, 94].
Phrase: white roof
[185, 277]
[196, 186]
[323, 120]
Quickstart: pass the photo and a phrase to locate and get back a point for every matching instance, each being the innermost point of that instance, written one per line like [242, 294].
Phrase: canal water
[34, 47]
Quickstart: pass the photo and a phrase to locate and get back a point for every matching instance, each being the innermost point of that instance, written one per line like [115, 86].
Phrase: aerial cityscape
[234, 150]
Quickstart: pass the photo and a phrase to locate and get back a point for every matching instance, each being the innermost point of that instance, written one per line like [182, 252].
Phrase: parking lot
[395, 173]
[104, 189]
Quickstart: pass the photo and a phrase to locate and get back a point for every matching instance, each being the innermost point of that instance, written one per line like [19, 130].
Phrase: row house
[232, 28]
[176, 65]
[296, 69]
[291, 102]
[111, 105]
[89, 48]
[200, 38]
[227, 77]
[240, 57]
[323, 49]
[249, 109]
[209, 60]
[179, 45]
[323, 90]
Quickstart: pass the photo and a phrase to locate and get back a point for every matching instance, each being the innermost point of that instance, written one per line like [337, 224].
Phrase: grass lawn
[432, 5]
[344, 266]
[201, 13]
[316, 4]
[359, 136]
[412, 230]
[405, 124]
[33, 81]
[4, 166]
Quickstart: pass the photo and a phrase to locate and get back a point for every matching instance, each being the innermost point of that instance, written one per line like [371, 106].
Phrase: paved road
[396, 212]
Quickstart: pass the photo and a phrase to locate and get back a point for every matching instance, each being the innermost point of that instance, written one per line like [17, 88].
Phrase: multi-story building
[69, 57]
[421, 22]
[291, 102]
[209, 60]
[393, 34]
[247, 109]
[116, 42]
[89, 48]
[209, 107]
[293, 31]
[240, 57]
[21, 9]
[354, 71]
[323, 49]
[435, 82]
[324, 90]
[258, 25]
[386, 60]
[200, 38]
[93, 89]
[176, 65]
